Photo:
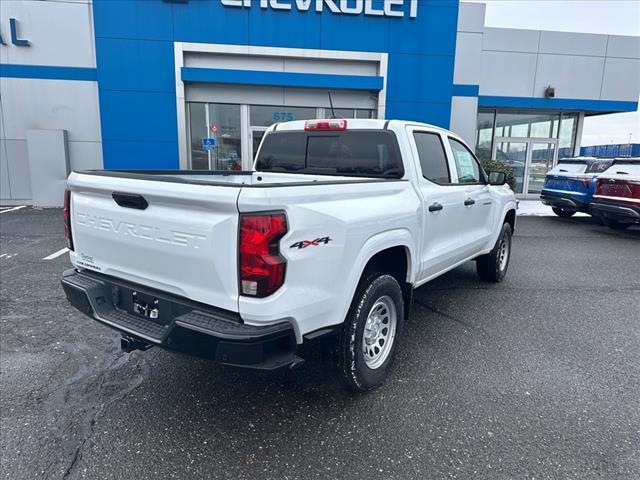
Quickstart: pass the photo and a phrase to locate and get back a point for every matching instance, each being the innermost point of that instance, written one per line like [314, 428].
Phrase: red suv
[617, 195]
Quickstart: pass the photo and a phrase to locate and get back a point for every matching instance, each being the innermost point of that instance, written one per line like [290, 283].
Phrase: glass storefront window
[221, 123]
[350, 113]
[514, 154]
[484, 135]
[365, 113]
[535, 125]
[264, 116]
[198, 131]
[567, 135]
[224, 126]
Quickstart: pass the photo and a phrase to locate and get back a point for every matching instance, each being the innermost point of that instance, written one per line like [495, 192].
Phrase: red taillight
[584, 180]
[262, 268]
[66, 212]
[621, 189]
[326, 125]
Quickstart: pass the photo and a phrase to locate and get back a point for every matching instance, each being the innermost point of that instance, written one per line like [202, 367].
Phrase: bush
[498, 166]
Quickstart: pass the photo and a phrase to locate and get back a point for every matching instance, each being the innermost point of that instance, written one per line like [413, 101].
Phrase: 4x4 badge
[311, 243]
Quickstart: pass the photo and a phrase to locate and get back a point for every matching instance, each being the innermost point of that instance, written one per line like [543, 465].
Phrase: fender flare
[374, 245]
[510, 205]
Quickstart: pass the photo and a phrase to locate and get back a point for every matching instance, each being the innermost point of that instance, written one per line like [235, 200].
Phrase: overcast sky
[617, 17]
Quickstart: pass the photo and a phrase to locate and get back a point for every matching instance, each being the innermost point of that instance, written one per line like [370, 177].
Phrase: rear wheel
[373, 325]
[617, 225]
[492, 267]
[564, 213]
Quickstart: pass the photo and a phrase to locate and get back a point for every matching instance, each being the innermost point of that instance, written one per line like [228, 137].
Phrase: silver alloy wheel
[379, 332]
[503, 253]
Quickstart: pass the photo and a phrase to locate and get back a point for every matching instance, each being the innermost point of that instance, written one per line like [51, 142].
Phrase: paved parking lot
[538, 377]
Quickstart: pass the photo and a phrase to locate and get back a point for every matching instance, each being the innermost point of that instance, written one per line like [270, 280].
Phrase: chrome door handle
[434, 207]
[469, 201]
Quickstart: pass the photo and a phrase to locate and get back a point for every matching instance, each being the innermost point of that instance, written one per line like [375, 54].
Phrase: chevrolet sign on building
[194, 84]
[389, 8]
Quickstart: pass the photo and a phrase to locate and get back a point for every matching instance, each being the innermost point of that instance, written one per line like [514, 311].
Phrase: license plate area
[144, 305]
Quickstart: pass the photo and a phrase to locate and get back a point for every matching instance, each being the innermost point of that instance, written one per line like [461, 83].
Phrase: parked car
[325, 239]
[617, 195]
[569, 186]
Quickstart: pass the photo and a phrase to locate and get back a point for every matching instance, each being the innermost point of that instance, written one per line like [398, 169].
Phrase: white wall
[47, 104]
[464, 112]
[522, 63]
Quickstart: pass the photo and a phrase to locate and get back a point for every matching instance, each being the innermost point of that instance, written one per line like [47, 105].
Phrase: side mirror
[497, 178]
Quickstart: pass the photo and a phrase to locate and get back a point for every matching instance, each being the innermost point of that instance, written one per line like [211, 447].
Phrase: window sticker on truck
[311, 243]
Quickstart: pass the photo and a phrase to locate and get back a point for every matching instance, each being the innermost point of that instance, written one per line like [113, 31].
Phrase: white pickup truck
[326, 238]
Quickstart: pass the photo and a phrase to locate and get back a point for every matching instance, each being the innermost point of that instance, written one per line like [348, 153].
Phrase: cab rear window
[360, 153]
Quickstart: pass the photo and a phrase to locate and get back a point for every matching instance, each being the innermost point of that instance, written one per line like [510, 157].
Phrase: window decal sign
[208, 144]
[388, 8]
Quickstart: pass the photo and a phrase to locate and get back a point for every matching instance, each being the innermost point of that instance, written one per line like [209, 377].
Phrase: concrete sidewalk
[535, 208]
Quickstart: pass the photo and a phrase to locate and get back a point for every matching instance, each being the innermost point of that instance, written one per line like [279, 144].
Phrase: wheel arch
[391, 252]
[510, 218]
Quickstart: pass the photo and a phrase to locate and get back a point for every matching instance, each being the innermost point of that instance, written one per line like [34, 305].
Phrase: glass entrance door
[530, 160]
[541, 155]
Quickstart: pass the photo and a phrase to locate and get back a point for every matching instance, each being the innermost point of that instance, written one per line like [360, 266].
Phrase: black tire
[561, 212]
[490, 267]
[616, 225]
[353, 367]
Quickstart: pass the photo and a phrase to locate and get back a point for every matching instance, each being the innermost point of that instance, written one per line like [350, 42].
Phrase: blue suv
[569, 186]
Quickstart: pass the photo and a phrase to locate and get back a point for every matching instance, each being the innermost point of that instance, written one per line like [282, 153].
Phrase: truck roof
[356, 124]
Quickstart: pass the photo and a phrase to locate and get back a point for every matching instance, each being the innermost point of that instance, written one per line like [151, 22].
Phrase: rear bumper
[181, 325]
[619, 213]
[562, 201]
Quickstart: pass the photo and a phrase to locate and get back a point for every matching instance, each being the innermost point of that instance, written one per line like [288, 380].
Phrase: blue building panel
[432, 32]
[134, 19]
[429, 112]
[208, 21]
[420, 78]
[138, 116]
[140, 155]
[356, 32]
[275, 28]
[144, 65]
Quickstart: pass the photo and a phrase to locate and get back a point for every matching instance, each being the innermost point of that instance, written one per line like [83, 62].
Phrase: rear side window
[433, 160]
[359, 153]
[466, 165]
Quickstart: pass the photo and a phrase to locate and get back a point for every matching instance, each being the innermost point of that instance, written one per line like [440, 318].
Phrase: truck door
[477, 200]
[442, 203]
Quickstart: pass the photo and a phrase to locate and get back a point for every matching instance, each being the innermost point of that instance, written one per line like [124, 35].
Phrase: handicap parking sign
[208, 144]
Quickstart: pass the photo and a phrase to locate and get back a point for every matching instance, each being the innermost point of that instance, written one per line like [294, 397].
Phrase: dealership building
[193, 84]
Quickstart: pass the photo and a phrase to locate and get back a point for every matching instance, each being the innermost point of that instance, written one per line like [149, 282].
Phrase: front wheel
[371, 330]
[561, 212]
[492, 267]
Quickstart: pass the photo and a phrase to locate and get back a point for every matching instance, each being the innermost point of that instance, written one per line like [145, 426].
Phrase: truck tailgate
[183, 242]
